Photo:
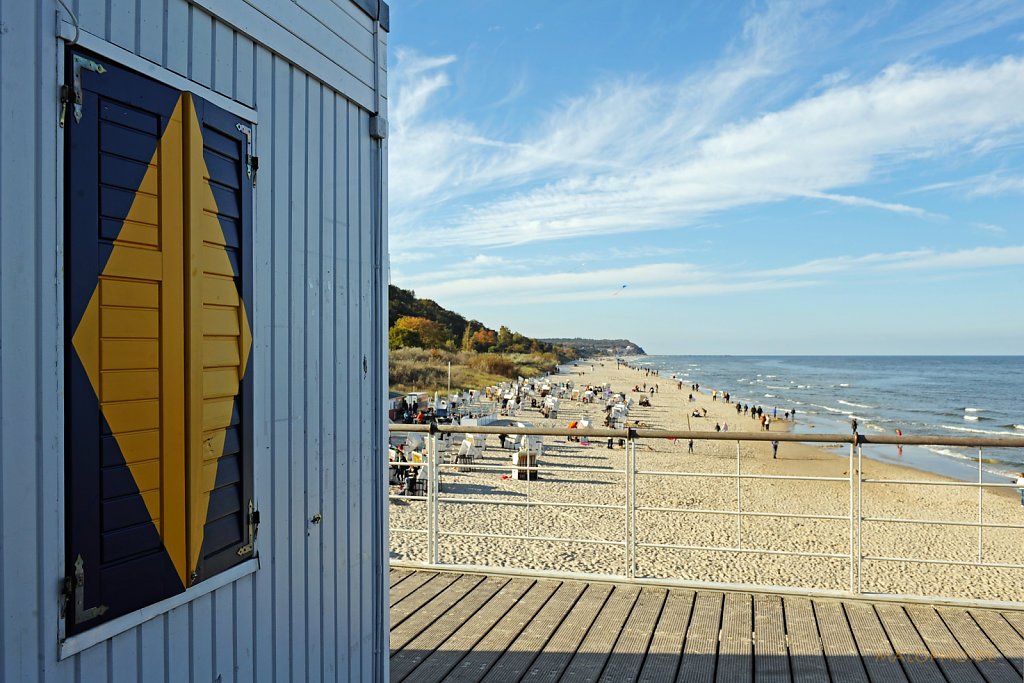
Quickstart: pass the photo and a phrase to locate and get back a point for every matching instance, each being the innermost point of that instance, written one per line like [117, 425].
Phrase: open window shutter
[158, 461]
[219, 222]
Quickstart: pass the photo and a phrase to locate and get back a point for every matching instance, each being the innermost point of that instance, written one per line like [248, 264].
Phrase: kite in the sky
[617, 293]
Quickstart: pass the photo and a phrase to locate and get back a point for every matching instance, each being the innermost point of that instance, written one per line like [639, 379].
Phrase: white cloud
[634, 156]
[672, 280]
[987, 227]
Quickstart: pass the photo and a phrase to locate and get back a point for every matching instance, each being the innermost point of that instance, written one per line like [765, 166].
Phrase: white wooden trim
[83, 641]
[130, 60]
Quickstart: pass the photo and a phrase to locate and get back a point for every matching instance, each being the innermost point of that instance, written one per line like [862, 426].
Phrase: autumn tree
[483, 340]
[433, 334]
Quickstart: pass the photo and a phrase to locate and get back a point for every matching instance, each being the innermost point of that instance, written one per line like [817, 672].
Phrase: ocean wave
[855, 405]
[831, 410]
[974, 410]
[1017, 426]
[949, 453]
[842, 385]
[769, 395]
[876, 427]
[977, 431]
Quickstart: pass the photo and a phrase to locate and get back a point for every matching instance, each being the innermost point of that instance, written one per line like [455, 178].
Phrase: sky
[757, 178]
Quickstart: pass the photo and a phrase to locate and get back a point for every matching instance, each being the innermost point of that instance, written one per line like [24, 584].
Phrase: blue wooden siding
[316, 609]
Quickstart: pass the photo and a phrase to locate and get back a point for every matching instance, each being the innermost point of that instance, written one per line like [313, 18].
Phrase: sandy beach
[698, 505]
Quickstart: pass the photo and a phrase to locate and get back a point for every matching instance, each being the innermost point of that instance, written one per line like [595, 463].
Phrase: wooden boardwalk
[470, 627]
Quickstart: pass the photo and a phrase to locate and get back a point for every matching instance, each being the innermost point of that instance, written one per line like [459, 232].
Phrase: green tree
[504, 338]
[399, 337]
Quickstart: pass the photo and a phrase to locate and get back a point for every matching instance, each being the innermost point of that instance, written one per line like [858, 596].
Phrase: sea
[979, 396]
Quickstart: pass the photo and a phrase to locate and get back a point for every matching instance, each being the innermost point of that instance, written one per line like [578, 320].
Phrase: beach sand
[714, 496]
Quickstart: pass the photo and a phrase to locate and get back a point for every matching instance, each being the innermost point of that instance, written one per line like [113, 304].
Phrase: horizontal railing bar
[397, 497]
[410, 531]
[939, 483]
[733, 513]
[508, 501]
[986, 525]
[722, 475]
[646, 433]
[529, 538]
[668, 546]
[958, 563]
[532, 468]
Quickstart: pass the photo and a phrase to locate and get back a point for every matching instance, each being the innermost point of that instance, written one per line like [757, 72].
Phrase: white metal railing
[629, 542]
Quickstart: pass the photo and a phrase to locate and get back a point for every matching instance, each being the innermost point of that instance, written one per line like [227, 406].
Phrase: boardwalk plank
[918, 664]
[942, 645]
[441, 628]
[559, 651]
[398, 575]
[493, 645]
[807, 660]
[467, 623]
[735, 660]
[1015, 619]
[431, 611]
[986, 656]
[413, 584]
[627, 655]
[467, 627]
[666, 648]
[592, 654]
[841, 653]
[524, 650]
[771, 660]
[877, 653]
[700, 650]
[1009, 642]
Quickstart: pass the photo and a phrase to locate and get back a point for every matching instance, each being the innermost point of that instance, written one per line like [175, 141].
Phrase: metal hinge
[252, 162]
[78, 63]
[254, 527]
[74, 592]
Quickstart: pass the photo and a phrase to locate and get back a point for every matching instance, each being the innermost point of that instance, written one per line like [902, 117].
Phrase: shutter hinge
[254, 527]
[78, 63]
[252, 162]
[73, 591]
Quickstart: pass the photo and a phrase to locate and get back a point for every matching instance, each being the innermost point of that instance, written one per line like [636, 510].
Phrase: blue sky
[715, 178]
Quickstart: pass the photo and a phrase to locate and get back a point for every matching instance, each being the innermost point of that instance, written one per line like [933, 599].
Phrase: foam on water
[977, 431]
[854, 405]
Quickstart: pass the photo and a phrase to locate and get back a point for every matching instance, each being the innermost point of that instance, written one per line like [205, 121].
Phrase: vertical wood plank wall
[316, 609]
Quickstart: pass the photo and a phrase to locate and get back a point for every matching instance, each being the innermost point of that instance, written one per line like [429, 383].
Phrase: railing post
[630, 500]
[853, 568]
[860, 511]
[432, 506]
[981, 517]
[739, 506]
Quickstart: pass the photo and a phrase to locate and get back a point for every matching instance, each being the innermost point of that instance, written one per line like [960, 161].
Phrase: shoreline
[912, 463]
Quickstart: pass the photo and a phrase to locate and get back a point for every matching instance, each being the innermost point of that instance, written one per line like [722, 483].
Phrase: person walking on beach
[853, 423]
[775, 449]
[1020, 483]
[689, 447]
[899, 449]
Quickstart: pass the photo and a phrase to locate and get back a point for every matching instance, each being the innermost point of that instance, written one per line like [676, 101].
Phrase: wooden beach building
[192, 349]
